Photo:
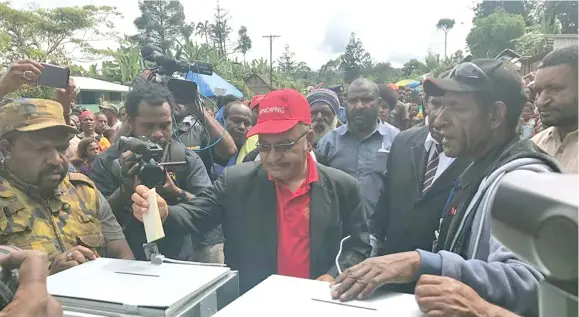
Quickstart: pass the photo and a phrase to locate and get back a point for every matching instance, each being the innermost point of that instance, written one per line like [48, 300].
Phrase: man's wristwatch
[182, 196]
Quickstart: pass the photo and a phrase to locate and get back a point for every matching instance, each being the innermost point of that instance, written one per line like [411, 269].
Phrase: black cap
[501, 80]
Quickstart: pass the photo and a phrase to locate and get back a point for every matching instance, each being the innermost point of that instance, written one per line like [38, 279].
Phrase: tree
[204, 29]
[355, 59]
[160, 23]
[566, 14]
[53, 35]
[445, 25]
[413, 65]
[526, 8]
[220, 29]
[244, 42]
[286, 62]
[492, 34]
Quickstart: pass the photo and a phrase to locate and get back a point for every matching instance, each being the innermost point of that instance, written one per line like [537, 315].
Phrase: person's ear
[497, 114]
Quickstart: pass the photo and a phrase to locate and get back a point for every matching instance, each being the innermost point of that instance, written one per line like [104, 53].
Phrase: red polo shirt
[293, 226]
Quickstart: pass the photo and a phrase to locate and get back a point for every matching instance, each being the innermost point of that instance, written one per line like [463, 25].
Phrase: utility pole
[271, 37]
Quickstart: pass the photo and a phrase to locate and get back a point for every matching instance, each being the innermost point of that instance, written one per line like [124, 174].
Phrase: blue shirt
[365, 159]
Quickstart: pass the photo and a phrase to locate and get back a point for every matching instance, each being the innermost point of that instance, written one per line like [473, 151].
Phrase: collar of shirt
[382, 128]
[312, 175]
[429, 142]
[556, 135]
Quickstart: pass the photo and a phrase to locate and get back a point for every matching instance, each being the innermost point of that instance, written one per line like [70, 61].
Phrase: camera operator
[30, 298]
[200, 129]
[149, 114]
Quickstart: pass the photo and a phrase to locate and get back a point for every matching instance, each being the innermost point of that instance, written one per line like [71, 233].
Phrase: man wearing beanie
[324, 107]
[294, 213]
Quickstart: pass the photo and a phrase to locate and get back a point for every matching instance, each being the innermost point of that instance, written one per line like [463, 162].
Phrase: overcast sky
[318, 30]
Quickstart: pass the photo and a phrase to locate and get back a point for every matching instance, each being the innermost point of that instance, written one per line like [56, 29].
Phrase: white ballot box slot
[282, 296]
[112, 287]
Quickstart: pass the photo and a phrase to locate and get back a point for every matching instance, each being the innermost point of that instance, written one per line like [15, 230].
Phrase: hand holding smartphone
[54, 76]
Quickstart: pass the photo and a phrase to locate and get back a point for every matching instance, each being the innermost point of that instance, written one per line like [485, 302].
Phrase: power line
[271, 37]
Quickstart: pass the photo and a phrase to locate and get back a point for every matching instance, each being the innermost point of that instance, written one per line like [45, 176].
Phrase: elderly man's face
[38, 158]
[464, 125]
[283, 155]
[323, 118]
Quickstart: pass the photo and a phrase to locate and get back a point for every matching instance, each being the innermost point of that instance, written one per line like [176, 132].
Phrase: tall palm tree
[204, 29]
[445, 25]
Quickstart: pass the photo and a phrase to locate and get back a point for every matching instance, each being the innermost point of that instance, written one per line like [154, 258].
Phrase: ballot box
[112, 287]
[282, 296]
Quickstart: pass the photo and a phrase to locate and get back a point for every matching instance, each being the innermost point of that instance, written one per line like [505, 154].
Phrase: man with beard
[360, 147]
[556, 88]
[45, 208]
[324, 106]
[237, 116]
[150, 115]
[481, 105]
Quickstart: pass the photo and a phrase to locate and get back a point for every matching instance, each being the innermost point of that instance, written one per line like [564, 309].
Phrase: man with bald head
[360, 147]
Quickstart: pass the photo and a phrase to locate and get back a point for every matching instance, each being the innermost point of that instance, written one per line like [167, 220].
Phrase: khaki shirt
[565, 152]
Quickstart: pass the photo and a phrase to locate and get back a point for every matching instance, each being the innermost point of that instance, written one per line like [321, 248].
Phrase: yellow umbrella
[405, 82]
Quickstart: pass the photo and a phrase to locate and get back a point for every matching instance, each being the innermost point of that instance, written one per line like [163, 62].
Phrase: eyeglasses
[266, 148]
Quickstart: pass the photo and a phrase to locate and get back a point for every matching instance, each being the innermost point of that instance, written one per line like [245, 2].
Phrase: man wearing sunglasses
[481, 104]
[284, 214]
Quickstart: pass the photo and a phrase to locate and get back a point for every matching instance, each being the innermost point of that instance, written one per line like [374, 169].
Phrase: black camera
[152, 173]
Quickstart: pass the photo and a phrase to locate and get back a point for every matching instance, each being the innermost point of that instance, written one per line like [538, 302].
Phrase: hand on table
[361, 280]
[440, 296]
[71, 258]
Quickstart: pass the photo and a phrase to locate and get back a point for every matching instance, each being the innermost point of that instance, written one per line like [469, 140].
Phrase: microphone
[153, 53]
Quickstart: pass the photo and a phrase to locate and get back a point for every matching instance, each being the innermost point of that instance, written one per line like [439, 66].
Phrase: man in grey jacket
[482, 101]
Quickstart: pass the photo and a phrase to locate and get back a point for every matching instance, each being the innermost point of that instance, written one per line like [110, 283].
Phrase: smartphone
[183, 91]
[54, 76]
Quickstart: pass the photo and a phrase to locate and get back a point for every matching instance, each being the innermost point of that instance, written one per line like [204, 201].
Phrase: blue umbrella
[413, 84]
[207, 84]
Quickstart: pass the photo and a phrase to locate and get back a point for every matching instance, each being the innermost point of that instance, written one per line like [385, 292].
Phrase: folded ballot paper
[152, 219]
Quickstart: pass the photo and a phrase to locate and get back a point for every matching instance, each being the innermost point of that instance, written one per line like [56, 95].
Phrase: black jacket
[244, 201]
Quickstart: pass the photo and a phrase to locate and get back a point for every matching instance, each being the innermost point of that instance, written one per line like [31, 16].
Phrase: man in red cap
[284, 214]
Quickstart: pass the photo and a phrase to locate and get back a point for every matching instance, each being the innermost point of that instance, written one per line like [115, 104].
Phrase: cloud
[319, 30]
[337, 35]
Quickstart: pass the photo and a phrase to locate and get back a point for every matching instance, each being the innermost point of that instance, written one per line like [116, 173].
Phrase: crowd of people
[399, 181]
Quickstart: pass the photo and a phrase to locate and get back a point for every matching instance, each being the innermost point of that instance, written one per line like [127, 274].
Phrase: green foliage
[355, 59]
[527, 9]
[161, 23]
[43, 34]
[565, 12]
[219, 31]
[492, 34]
[445, 25]
[244, 42]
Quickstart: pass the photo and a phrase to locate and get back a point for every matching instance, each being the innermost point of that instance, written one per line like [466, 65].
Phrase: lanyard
[449, 199]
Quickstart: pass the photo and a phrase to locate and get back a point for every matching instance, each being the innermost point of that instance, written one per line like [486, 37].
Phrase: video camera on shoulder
[183, 91]
[152, 172]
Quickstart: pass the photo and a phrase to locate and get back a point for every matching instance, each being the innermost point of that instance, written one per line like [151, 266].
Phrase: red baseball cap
[255, 101]
[281, 110]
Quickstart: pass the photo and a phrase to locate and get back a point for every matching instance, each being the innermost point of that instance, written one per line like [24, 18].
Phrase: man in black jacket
[419, 179]
[283, 215]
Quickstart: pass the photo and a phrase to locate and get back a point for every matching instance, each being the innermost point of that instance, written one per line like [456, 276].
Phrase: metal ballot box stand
[287, 296]
[120, 288]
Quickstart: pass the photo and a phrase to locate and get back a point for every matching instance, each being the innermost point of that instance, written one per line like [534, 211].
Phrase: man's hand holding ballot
[141, 204]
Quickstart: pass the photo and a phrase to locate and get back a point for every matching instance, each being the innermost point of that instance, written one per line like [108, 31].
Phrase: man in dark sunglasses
[481, 104]
[284, 214]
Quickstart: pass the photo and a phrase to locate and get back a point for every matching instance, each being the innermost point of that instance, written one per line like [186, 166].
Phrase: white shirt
[443, 160]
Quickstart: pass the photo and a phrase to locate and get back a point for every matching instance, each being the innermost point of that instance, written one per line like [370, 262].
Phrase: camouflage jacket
[53, 225]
